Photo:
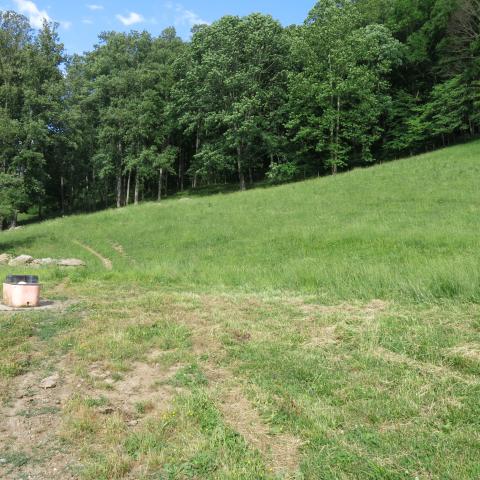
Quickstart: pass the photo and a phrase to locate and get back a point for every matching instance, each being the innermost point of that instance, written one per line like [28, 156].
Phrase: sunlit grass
[320, 330]
[407, 229]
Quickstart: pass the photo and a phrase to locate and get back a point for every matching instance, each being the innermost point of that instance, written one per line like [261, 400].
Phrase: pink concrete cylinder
[21, 295]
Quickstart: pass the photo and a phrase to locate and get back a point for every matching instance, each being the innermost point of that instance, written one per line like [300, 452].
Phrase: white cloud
[87, 21]
[183, 16]
[95, 7]
[66, 24]
[34, 14]
[131, 19]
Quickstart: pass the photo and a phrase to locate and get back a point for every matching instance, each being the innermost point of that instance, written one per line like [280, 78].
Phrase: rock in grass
[45, 261]
[50, 382]
[71, 262]
[21, 260]
[5, 258]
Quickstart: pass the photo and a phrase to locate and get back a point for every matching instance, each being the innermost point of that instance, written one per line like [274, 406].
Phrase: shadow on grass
[9, 245]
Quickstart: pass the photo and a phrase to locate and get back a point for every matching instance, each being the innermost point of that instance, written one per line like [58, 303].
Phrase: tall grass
[402, 230]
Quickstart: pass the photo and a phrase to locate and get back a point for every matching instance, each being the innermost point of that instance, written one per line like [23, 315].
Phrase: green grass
[407, 229]
[328, 329]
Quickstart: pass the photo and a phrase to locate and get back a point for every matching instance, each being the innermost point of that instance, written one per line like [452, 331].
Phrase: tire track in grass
[107, 263]
[281, 451]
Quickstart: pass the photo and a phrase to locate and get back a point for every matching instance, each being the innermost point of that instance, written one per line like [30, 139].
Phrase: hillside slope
[320, 330]
[403, 229]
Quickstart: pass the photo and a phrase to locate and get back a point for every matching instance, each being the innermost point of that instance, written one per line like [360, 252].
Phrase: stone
[45, 261]
[71, 262]
[50, 382]
[132, 423]
[20, 260]
[5, 258]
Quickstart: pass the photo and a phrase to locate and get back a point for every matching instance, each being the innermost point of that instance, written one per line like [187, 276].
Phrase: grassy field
[327, 329]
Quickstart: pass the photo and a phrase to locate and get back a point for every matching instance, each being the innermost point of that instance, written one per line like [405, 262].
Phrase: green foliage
[228, 95]
[359, 81]
[282, 172]
[338, 97]
[13, 197]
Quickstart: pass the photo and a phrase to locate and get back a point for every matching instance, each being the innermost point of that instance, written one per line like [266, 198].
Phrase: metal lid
[27, 279]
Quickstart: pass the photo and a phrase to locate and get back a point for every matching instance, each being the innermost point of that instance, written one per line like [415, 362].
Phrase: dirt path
[107, 263]
[121, 251]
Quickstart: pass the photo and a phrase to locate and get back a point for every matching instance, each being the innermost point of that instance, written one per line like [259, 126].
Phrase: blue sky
[82, 21]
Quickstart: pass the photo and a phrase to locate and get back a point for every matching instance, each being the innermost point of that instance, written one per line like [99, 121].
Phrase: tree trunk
[127, 197]
[337, 135]
[86, 197]
[197, 149]
[241, 177]
[166, 184]
[197, 141]
[332, 122]
[62, 194]
[14, 220]
[72, 196]
[137, 188]
[160, 181]
[119, 190]
[119, 177]
[181, 169]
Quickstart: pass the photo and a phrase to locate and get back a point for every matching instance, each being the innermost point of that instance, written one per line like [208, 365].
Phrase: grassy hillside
[407, 229]
[328, 329]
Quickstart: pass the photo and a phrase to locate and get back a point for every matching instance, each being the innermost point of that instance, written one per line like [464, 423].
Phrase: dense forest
[244, 100]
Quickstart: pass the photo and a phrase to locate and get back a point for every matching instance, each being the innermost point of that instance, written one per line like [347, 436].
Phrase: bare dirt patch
[29, 424]
[32, 423]
[144, 383]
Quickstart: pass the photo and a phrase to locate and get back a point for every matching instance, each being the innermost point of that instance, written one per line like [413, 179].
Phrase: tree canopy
[244, 100]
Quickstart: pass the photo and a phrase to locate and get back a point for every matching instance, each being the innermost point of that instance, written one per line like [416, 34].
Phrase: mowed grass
[407, 229]
[374, 390]
[328, 329]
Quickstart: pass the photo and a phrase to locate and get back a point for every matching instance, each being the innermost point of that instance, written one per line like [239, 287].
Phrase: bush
[282, 172]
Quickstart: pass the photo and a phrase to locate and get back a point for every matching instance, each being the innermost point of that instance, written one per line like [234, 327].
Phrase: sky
[81, 21]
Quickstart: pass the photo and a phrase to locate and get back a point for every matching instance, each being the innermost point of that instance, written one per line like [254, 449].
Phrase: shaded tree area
[245, 100]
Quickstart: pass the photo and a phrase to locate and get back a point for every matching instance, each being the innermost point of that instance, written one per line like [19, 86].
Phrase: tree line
[245, 100]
